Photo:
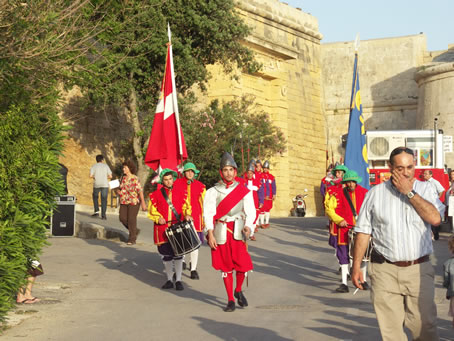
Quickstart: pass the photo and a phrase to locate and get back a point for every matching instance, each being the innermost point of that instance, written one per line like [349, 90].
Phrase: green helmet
[339, 167]
[167, 171]
[191, 166]
[351, 175]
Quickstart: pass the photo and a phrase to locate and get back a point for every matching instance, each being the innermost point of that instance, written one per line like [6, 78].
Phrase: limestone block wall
[286, 41]
[389, 93]
[436, 96]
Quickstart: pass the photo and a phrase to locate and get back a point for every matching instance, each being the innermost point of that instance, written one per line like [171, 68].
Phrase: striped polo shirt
[398, 232]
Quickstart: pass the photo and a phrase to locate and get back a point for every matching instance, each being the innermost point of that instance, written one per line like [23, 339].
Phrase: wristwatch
[411, 194]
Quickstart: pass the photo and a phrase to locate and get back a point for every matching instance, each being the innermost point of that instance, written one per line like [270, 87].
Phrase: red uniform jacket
[159, 204]
[196, 192]
[343, 210]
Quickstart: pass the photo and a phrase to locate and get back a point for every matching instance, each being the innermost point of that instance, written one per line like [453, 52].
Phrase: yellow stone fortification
[286, 42]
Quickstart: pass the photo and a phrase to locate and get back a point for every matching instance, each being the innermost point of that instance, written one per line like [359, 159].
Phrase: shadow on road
[231, 331]
[146, 266]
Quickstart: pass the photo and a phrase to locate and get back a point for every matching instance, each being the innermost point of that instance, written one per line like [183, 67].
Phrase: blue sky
[340, 20]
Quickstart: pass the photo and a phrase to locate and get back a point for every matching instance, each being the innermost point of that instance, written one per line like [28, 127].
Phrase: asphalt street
[105, 290]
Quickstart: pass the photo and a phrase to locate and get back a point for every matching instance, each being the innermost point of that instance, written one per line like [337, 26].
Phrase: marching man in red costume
[229, 212]
[253, 184]
[343, 207]
[163, 216]
[195, 191]
[269, 192]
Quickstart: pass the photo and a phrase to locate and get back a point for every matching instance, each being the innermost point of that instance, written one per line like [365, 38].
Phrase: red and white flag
[166, 148]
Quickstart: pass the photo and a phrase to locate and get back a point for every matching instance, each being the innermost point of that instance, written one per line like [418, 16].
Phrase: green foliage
[130, 50]
[233, 126]
[28, 183]
[37, 43]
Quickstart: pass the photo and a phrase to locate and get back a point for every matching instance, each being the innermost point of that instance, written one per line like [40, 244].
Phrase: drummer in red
[229, 212]
[195, 190]
[163, 217]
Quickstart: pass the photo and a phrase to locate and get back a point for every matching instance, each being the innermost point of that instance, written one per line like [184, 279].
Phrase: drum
[183, 238]
[351, 243]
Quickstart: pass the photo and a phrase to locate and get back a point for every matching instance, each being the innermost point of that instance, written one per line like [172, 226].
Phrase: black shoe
[104, 218]
[194, 274]
[242, 301]
[365, 286]
[179, 285]
[96, 214]
[167, 285]
[342, 288]
[230, 307]
[436, 235]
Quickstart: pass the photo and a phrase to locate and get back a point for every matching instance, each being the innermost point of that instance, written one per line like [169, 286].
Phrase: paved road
[105, 290]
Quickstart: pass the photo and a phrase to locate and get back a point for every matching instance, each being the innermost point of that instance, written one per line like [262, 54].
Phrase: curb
[95, 231]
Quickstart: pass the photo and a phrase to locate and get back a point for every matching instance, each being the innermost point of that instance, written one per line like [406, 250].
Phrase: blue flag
[356, 149]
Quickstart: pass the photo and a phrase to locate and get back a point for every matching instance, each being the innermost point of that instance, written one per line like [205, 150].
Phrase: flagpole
[248, 149]
[242, 153]
[174, 95]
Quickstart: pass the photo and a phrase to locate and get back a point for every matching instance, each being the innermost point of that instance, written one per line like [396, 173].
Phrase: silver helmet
[227, 160]
[251, 166]
[266, 164]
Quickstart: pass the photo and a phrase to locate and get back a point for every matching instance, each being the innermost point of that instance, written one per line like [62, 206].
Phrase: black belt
[376, 257]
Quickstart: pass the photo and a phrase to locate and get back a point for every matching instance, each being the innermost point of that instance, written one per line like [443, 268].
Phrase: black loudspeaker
[63, 219]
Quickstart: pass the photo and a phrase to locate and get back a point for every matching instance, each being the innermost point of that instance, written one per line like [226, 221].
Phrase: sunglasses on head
[400, 150]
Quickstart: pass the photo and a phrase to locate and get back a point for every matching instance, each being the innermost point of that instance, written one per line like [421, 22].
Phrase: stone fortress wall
[305, 86]
[403, 86]
[287, 42]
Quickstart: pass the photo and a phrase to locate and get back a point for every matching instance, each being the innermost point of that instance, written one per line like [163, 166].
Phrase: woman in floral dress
[131, 199]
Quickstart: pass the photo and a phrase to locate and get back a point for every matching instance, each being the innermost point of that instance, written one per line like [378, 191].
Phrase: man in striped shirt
[399, 214]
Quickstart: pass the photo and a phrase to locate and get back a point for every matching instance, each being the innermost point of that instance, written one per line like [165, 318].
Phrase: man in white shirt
[101, 173]
[438, 188]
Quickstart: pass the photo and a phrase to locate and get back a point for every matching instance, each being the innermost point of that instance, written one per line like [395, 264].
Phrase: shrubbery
[29, 180]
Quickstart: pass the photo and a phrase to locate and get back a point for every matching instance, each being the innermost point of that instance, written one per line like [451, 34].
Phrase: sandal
[29, 300]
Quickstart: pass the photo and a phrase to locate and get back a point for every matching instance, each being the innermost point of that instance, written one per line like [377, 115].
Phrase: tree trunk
[142, 170]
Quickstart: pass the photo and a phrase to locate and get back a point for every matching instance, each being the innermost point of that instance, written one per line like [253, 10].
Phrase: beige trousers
[404, 297]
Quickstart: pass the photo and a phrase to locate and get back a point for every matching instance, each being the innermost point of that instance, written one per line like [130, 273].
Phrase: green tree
[235, 127]
[39, 43]
[125, 69]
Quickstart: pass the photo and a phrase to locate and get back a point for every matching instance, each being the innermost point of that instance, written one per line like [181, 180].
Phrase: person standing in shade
[229, 212]
[131, 199]
[439, 189]
[163, 216]
[448, 278]
[101, 174]
[398, 214]
[450, 193]
[195, 190]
